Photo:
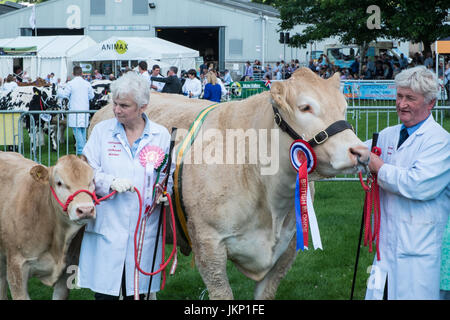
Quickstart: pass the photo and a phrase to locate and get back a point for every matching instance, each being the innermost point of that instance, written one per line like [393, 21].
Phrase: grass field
[314, 275]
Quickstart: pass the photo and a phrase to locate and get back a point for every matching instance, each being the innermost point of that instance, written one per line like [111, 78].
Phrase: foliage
[268, 2]
[408, 20]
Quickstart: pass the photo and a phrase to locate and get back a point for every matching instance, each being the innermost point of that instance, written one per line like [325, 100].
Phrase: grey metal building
[225, 32]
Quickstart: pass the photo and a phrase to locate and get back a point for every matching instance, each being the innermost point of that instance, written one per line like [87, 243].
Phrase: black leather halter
[319, 138]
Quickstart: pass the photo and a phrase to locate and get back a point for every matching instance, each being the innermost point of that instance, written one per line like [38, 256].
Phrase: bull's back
[169, 110]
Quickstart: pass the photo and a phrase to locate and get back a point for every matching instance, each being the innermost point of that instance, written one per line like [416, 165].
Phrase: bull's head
[310, 104]
[69, 175]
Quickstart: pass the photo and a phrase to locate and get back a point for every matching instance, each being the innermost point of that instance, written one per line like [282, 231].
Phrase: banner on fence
[369, 90]
[245, 89]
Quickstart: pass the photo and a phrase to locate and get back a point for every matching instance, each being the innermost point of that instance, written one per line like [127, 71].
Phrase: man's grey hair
[420, 80]
[134, 85]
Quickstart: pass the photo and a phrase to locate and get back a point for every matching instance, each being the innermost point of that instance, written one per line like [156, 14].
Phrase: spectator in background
[428, 63]
[278, 71]
[220, 82]
[203, 67]
[397, 69]
[354, 68]
[172, 83]
[142, 69]
[10, 83]
[311, 65]
[213, 91]
[155, 85]
[403, 62]
[248, 72]
[387, 71]
[79, 92]
[268, 73]
[447, 80]
[192, 86]
[227, 77]
[97, 75]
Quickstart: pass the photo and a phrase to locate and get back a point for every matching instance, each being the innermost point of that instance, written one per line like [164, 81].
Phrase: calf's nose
[84, 212]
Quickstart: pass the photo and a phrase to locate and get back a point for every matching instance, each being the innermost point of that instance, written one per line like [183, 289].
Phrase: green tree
[268, 2]
[407, 20]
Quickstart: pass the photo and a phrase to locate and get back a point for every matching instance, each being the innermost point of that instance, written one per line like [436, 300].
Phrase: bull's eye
[306, 108]
[59, 183]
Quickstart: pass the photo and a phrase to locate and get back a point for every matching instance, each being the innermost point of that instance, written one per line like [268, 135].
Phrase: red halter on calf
[72, 196]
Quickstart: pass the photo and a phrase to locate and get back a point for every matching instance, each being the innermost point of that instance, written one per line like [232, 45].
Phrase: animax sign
[120, 46]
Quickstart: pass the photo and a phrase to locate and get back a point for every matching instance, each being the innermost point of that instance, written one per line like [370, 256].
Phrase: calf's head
[309, 104]
[69, 175]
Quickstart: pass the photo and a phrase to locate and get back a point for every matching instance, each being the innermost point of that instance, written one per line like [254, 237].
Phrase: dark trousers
[385, 293]
[102, 296]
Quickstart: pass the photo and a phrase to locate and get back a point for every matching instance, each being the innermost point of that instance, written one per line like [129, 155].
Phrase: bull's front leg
[267, 287]
[211, 260]
[17, 274]
[3, 282]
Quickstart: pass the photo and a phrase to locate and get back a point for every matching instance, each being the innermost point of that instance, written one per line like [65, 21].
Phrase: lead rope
[137, 247]
[371, 204]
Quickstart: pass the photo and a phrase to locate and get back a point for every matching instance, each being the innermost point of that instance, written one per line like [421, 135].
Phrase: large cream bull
[241, 207]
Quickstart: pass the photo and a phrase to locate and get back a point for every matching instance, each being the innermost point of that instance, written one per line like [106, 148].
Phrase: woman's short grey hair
[134, 85]
[420, 80]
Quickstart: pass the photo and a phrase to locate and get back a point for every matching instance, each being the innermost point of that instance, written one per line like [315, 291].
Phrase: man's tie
[403, 136]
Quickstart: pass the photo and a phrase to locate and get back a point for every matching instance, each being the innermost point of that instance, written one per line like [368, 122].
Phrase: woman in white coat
[414, 180]
[192, 86]
[119, 152]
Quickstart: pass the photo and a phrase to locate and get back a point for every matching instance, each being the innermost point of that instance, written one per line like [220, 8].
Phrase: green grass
[315, 274]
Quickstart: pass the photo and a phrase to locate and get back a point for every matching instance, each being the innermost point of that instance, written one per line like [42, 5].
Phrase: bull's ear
[39, 173]
[335, 80]
[279, 95]
[83, 157]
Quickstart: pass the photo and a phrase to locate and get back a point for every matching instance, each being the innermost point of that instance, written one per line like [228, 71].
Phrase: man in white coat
[414, 178]
[119, 152]
[79, 92]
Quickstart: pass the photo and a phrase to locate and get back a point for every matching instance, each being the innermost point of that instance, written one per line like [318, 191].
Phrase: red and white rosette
[150, 157]
[153, 155]
[304, 161]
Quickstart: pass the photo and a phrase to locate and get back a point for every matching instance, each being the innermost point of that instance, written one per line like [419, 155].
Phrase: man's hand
[122, 185]
[375, 163]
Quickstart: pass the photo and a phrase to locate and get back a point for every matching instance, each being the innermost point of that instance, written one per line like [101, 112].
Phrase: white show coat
[79, 92]
[415, 203]
[108, 242]
[192, 85]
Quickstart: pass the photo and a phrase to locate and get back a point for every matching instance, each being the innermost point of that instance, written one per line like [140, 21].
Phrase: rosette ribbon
[304, 161]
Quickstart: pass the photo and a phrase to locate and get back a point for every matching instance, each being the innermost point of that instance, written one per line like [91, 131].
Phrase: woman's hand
[122, 185]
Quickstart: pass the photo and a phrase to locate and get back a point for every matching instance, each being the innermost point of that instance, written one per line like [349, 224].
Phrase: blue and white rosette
[300, 152]
[296, 158]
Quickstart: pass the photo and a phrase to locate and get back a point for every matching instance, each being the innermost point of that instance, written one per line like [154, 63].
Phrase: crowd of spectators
[383, 67]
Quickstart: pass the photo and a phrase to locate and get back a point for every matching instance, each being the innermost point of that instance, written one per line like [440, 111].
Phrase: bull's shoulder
[107, 124]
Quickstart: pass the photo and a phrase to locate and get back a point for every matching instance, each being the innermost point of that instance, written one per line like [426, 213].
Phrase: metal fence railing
[43, 140]
[42, 136]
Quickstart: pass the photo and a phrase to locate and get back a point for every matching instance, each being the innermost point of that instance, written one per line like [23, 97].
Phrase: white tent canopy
[53, 54]
[144, 48]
